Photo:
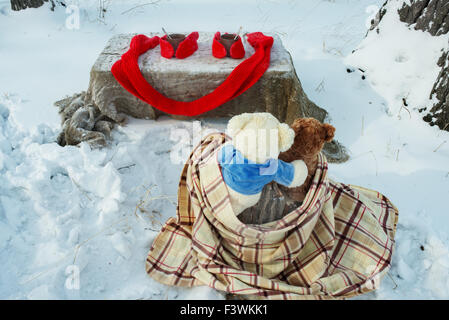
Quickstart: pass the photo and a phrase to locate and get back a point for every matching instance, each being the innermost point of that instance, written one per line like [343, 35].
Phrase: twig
[439, 146]
[320, 86]
[331, 49]
[404, 105]
[394, 282]
[80, 189]
[140, 206]
[127, 167]
[78, 246]
[154, 230]
[363, 124]
[102, 10]
[141, 5]
[40, 274]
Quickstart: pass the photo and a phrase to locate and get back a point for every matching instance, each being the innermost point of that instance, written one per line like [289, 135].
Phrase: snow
[408, 68]
[75, 214]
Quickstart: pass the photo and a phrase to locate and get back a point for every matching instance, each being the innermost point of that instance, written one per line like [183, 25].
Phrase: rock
[273, 205]
[380, 14]
[17, 5]
[278, 91]
[431, 16]
[269, 208]
[335, 152]
[427, 15]
[439, 113]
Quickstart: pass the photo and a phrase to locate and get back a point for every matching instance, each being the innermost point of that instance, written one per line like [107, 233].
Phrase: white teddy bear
[251, 161]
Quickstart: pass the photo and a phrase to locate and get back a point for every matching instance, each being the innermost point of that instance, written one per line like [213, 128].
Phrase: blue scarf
[246, 176]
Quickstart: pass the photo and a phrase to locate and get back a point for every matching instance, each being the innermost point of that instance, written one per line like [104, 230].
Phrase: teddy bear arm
[239, 201]
[300, 173]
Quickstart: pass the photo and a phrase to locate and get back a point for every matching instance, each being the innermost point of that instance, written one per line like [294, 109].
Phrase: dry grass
[142, 5]
[143, 211]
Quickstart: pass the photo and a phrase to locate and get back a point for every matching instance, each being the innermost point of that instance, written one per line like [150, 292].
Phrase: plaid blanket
[337, 244]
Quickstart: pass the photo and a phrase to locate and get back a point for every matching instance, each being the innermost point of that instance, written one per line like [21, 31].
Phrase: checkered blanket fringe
[337, 244]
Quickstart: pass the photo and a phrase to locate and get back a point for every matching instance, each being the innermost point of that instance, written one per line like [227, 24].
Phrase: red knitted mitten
[237, 50]
[185, 49]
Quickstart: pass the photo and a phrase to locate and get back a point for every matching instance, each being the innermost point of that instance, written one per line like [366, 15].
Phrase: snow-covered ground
[70, 209]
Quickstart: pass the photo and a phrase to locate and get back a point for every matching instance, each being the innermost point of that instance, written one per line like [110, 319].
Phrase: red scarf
[127, 72]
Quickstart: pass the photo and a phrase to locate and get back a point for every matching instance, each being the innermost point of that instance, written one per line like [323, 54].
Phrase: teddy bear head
[259, 136]
[310, 136]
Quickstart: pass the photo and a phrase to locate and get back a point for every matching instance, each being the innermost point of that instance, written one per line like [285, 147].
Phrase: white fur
[240, 202]
[300, 175]
[286, 137]
[259, 137]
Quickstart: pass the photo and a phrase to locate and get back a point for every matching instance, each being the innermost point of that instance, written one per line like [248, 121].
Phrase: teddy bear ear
[329, 132]
[286, 137]
[237, 122]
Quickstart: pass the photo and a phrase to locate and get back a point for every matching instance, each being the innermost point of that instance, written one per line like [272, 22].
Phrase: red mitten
[185, 49]
[166, 48]
[218, 50]
[237, 50]
[188, 46]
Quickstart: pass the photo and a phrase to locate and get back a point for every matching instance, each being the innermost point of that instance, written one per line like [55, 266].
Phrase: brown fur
[310, 136]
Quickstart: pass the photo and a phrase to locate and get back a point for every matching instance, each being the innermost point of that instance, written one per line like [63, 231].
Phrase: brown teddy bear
[310, 136]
